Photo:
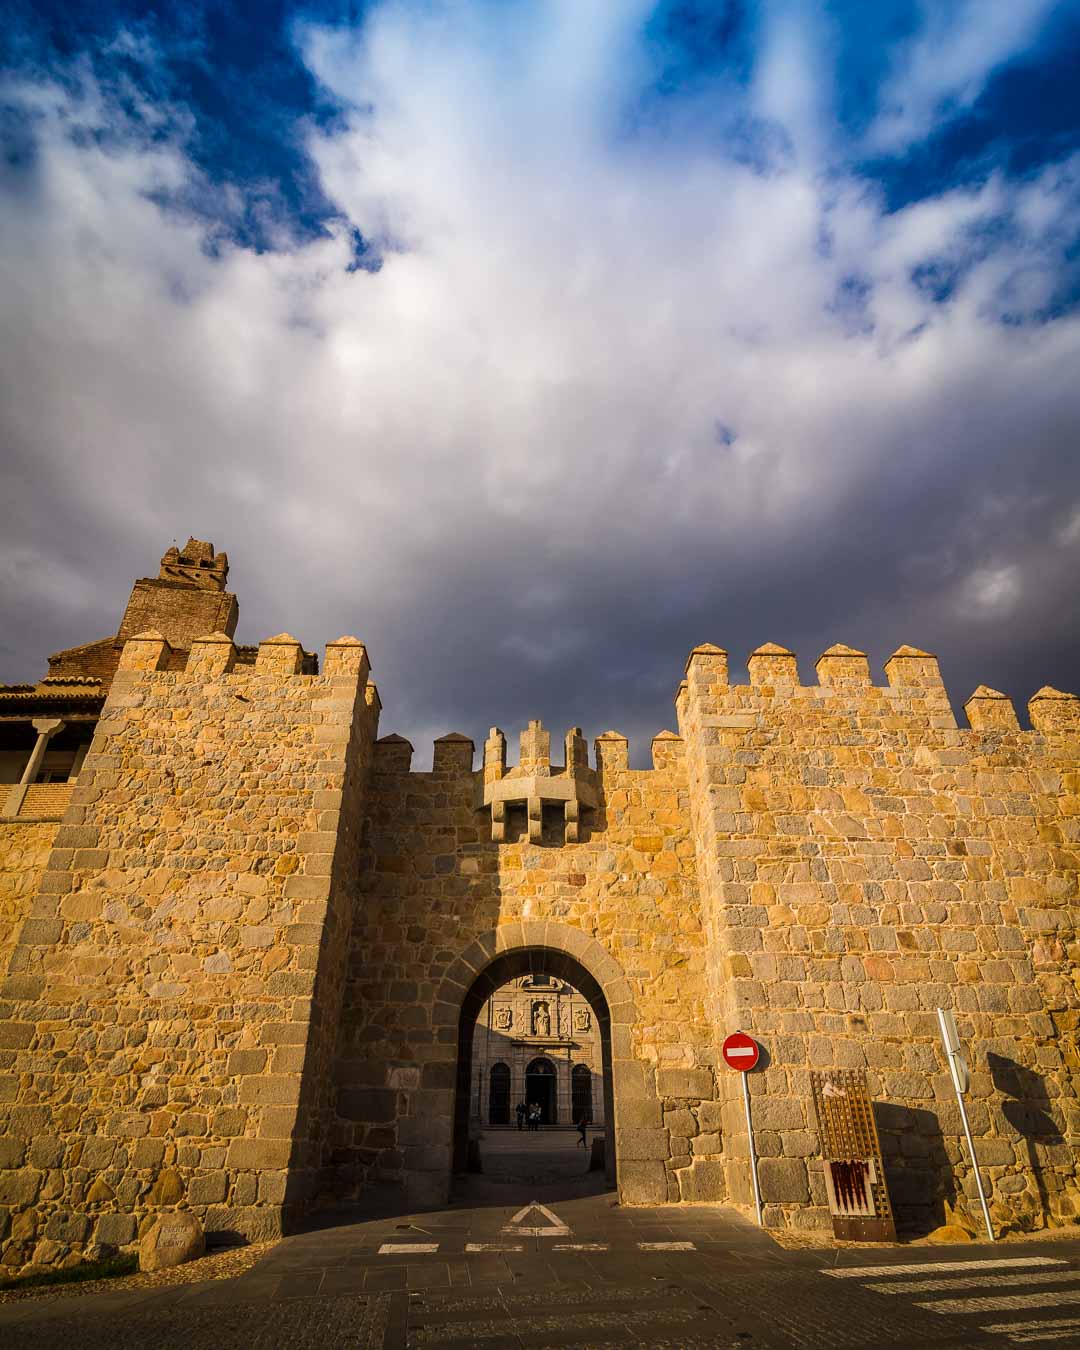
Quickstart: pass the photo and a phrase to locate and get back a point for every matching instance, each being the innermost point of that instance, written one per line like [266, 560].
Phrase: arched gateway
[566, 953]
[469, 877]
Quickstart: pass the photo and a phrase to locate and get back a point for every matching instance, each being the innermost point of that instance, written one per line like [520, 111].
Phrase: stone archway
[535, 947]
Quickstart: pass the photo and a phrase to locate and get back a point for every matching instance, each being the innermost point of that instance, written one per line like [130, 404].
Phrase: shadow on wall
[918, 1173]
[1027, 1109]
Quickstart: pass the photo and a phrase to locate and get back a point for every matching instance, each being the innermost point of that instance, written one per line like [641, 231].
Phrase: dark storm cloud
[623, 383]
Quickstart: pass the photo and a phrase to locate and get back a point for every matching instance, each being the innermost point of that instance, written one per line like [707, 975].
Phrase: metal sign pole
[952, 1051]
[753, 1150]
[975, 1168]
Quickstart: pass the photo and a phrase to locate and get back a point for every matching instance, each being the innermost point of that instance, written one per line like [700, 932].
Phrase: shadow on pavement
[547, 1166]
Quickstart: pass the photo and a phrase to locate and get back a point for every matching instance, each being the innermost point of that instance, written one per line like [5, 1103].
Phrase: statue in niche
[504, 1018]
[582, 1020]
[541, 1020]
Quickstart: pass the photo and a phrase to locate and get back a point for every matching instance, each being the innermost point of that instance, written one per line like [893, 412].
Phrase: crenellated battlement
[534, 783]
[454, 754]
[914, 690]
[216, 654]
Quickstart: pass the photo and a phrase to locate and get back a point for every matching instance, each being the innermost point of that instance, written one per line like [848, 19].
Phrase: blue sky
[556, 337]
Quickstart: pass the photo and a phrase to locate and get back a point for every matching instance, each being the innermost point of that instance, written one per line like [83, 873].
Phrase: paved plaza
[555, 1261]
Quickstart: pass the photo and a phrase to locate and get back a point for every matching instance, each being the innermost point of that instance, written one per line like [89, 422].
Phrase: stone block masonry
[171, 1005]
[24, 851]
[437, 892]
[863, 862]
[239, 972]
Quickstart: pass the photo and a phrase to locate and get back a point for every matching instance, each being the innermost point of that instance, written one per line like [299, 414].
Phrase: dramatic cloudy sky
[534, 341]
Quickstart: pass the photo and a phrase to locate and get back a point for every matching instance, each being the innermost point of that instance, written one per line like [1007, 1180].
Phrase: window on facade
[499, 1095]
[581, 1093]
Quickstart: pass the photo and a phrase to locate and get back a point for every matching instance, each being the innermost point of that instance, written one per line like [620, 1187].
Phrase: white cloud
[945, 64]
[502, 446]
[992, 591]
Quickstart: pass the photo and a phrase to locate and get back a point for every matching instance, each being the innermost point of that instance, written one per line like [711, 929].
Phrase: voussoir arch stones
[546, 941]
[637, 1147]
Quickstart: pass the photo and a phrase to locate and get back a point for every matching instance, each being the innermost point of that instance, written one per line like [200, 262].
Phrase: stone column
[517, 1080]
[46, 728]
[562, 1085]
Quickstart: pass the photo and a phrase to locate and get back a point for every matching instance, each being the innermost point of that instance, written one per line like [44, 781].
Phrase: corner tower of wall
[172, 1003]
[864, 861]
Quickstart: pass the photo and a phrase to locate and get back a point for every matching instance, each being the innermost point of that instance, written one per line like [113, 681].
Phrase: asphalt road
[555, 1261]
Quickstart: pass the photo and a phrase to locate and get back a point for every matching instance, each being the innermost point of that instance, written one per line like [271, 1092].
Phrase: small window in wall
[499, 1095]
[581, 1093]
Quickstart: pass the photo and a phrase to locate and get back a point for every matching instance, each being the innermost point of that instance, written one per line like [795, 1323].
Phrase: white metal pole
[753, 1150]
[974, 1161]
[951, 1054]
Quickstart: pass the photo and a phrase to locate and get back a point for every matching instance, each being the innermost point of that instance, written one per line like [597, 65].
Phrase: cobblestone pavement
[495, 1271]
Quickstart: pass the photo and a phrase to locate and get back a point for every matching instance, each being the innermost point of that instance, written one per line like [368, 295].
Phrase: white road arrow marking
[553, 1228]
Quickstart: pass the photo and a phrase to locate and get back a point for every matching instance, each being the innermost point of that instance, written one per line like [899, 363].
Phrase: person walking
[520, 1112]
[534, 1116]
[582, 1125]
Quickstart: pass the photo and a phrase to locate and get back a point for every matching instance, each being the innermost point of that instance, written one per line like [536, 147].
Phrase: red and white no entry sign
[741, 1051]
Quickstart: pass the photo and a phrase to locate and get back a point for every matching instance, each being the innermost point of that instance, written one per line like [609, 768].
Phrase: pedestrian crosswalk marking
[553, 1228]
[918, 1267]
[1007, 1303]
[944, 1283]
[484, 1248]
[1002, 1285]
[1029, 1336]
[1022, 1332]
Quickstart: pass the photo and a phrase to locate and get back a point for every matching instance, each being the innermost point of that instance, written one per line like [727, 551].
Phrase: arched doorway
[539, 960]
[499, 1095]
[581, 1104]
[540, 1090]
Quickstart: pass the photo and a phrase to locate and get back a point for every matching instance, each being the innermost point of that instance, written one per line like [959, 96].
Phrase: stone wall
[863, 863]
[243, 966]
[181, 611]
[161, 1042]
[24, 851]
[434, 885]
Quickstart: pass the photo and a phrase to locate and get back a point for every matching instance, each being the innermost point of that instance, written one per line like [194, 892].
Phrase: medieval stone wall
[863, 863]
[159, 1010]
[24, 851]
[432, 882]
[244, 958]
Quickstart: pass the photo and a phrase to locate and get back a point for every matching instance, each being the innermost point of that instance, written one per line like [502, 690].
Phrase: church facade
[245, 949]
[537, 1043]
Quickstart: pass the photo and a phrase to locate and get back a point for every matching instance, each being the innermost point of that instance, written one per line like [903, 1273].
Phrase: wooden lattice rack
[854, 1171]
